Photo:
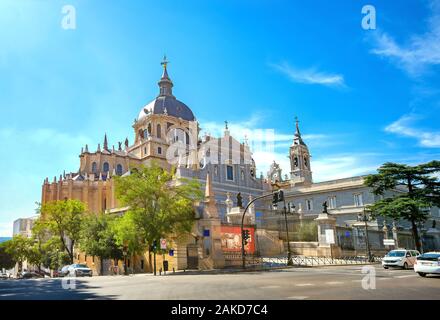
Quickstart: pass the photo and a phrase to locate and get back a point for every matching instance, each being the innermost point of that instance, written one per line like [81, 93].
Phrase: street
[335, 282]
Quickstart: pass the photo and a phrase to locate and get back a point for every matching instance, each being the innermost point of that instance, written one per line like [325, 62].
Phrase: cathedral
[167, 132]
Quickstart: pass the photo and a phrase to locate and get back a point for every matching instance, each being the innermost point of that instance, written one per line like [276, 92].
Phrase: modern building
[23, 226]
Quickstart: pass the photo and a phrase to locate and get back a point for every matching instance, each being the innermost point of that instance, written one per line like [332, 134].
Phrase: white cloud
[6, 229]
[403, 127]
[419, 53]
[310, 76]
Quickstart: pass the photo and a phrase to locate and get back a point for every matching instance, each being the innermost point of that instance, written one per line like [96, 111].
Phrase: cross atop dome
[164, 61]
[165, 83]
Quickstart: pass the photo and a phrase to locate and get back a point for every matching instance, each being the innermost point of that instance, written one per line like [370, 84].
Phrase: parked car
[30, 275]
[79, 270]
[400, 258]
[64, 271]
[4, 275]
[427, 263]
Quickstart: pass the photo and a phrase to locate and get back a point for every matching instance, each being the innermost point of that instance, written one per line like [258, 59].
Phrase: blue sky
[363, 97]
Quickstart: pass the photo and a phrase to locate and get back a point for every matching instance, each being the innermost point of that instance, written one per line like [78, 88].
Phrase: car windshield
[396, 254]
[429, 257]
[80, 266]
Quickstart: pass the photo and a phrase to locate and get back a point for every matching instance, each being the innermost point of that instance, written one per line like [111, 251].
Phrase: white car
[79, 270]
[426, 263]
[400, 258]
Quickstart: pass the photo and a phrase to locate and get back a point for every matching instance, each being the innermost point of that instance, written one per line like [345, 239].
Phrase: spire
[105, 142]
[226, 128]
[87, 148]
[210, 209]
[99, 148]
[208, 188]
[297, 138]
[165, 83]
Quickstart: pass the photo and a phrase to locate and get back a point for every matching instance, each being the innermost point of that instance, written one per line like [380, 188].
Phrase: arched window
[159, 150]
[158, 129]
[149, 128]
[306, 162]
[106, 167]
[145, 134]
[119, 169]
[94, 167]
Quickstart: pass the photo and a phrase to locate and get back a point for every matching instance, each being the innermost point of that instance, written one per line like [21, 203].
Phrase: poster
[231, 239]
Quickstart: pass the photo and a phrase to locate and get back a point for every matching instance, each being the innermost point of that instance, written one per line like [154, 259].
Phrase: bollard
[160, 271]
[174, 271]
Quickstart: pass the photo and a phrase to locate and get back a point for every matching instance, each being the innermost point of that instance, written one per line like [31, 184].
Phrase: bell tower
[300, 170]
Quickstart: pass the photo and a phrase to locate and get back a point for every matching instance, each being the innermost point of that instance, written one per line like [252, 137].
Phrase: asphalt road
[334, 282]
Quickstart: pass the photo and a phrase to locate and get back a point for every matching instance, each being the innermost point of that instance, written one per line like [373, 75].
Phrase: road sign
[171, 253]
[330, 236]
[389, 242]
[206, 233]
[163, 244]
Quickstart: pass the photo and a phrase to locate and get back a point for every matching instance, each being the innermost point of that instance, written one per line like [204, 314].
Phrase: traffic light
[281, 196]
[246, 236]
[275, 198]
[278, 196]
[154, 246]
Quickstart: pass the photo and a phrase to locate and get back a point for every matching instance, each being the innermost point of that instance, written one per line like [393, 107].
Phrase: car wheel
[422, 274]
[385, 267]
[405, 266]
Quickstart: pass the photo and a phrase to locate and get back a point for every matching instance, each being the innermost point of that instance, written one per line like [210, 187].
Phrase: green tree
[7, 260]
[159, 204]
[19, 248]
[127, 235]
[307, 231]
[417, 189]
[98, 238]
[63, 219]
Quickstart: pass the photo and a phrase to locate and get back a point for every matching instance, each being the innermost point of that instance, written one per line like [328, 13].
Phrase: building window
[106, 167]
[159, 132]
[332, 202]
[306, 162]
[159, 150]
[230, 173]
[119, 170]
[215, 170]
[145, 151]
[358, 201]
[242, 175]
[94, 167]
[309, 205]
[145, 135]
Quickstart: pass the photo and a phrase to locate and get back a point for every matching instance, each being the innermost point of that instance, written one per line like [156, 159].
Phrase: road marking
[335, 282]
[356, 280]
[298, 297]
[270, 287]
[304, 284]
[406, 276]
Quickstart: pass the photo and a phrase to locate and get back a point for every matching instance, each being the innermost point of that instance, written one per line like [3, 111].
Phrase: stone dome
[167, 105]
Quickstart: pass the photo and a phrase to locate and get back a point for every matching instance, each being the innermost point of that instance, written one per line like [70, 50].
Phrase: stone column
[326, 224]
[395, 235]
[385, 230]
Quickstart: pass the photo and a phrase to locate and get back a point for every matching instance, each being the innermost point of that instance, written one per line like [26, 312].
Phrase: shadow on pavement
[49, 289]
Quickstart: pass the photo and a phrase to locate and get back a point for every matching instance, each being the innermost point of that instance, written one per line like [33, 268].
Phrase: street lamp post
[365, 218]
[291, 209]
[243, 253]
